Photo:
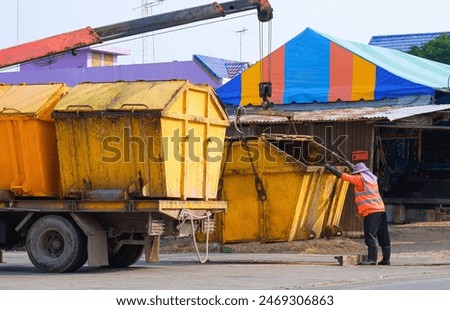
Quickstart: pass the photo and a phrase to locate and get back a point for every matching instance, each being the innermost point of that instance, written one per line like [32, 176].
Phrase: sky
[355, 20]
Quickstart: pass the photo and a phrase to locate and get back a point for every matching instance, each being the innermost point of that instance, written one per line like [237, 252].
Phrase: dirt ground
[430, 237]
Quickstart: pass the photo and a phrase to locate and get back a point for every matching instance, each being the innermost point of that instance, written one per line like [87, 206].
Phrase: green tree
[437, 49]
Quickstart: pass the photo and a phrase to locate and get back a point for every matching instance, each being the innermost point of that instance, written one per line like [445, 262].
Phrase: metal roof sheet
[390, 113]
[404, 42]
[400, 113]
[221, 68]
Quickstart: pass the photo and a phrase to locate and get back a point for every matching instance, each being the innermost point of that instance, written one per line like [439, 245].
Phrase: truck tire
[126, 256]
[56, 244]
[83, 258]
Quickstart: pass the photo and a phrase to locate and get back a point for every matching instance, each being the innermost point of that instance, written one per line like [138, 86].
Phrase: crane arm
[182, 17]
[88, 36]
[48, 46]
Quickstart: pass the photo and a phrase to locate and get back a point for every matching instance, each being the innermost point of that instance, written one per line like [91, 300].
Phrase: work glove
[333, 170]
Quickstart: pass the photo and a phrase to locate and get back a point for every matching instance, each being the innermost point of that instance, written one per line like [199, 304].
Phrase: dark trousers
[376, 228]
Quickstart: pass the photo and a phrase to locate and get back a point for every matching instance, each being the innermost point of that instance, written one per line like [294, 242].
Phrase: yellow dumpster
[29, 158]
[275, 191]
[159, 139]
[328, 196]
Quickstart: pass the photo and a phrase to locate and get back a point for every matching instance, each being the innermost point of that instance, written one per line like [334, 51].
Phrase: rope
[269, 46]
[260, 190]
[342, 158]
[186, 214]
[269, 50]
[291, 124]
[261, 50]
[265, 69]
[243, 138]
[237, 121]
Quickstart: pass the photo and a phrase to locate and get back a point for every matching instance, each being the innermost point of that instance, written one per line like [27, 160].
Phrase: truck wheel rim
[51, 244]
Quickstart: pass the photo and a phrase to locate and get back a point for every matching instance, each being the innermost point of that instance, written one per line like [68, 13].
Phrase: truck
[99, 173]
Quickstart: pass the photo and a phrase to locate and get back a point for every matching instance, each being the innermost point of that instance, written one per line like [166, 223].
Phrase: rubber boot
[386, 256]
[371, 257]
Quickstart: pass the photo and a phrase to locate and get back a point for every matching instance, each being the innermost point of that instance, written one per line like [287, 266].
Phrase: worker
[371, 207]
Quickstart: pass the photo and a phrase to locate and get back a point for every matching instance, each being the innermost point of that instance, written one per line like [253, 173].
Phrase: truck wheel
[55, 244]
[127, 255]
[83, 258]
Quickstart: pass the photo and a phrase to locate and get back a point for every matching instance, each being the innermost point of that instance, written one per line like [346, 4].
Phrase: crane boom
[89, 36]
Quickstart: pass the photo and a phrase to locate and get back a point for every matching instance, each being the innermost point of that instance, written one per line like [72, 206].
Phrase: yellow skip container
[29, 157]
[276, 192]
[158, 139]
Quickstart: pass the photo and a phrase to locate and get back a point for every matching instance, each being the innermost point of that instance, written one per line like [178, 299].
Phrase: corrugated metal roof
[235, 68]
[400, 113]
[404, 42]
[390, 113]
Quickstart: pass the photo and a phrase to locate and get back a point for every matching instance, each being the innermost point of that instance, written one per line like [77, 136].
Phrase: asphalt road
[236, 271]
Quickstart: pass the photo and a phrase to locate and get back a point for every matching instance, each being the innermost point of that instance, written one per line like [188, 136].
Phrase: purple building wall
[81, 58]
[62, 61]
[187, 70]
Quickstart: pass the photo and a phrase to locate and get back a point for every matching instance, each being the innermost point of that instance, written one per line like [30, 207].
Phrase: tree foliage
[437, 49]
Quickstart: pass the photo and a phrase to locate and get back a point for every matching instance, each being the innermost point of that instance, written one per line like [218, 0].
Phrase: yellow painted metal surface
[155, 139]
[302, 199]
[29, 158]
[141, 205]
[34, 101]
[121, 96]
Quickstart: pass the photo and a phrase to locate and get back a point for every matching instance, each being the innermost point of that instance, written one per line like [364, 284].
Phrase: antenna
[144, 13]
[145, 6]
[241, 33]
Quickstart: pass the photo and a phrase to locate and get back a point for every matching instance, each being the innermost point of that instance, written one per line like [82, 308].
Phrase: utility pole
[241, 34]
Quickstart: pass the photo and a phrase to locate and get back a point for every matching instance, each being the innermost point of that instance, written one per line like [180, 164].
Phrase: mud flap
[97, 239]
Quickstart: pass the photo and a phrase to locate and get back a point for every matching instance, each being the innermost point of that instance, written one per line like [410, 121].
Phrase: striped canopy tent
[315, 67]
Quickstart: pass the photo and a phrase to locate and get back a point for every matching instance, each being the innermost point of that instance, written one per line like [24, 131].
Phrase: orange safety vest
[369, 200]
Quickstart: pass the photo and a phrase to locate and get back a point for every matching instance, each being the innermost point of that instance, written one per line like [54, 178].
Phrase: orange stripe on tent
[364, 78]
[276, 69]
[252, 77]
[341, 73]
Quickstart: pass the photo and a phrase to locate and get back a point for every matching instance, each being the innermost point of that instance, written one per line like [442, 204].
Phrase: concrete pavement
[238, 271]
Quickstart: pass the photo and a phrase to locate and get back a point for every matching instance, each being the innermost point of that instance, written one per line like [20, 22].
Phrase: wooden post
[1, 256]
